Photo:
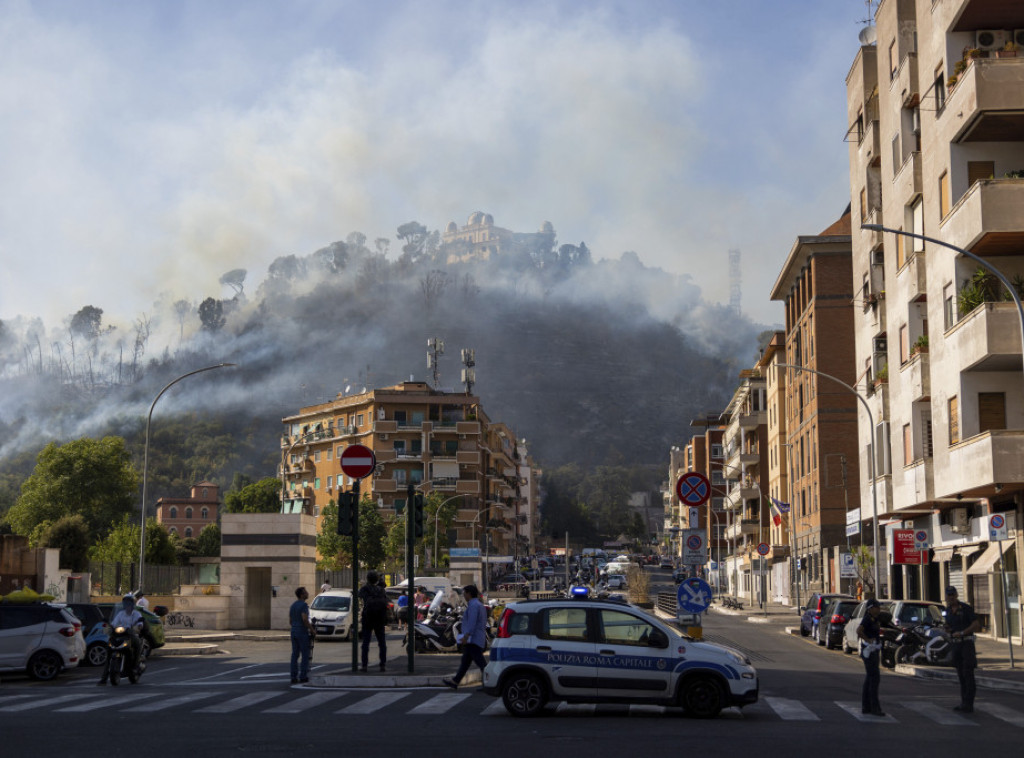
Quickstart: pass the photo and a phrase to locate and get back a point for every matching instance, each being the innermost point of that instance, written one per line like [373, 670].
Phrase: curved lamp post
[145, 464]
[874, 491]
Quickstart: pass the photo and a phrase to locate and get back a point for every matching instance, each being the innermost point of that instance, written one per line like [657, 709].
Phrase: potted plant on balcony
[882, 377]
[920, 345]
[1009, 50]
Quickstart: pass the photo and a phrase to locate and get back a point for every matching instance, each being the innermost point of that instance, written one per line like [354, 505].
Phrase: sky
[146, 148]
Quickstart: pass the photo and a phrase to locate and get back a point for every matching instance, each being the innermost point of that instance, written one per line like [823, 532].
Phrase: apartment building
[436, 441]
[781, 557]
[936, 147]
[705, 454]
[187, 516]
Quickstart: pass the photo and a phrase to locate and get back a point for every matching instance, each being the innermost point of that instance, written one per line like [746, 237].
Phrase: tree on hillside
[181, 309]
[87, 322]
[211, 315]
[208, 542]
[234, 279]
[263, 496]
[93, 478]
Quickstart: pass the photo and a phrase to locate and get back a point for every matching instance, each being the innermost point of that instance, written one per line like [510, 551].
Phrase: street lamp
[436, 514]
[145, 463]
[871, 440]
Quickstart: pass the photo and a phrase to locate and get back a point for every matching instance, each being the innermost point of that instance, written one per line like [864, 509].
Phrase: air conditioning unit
[383, 438]
[959, 521]
[1018, 37]
[915, 121]
[881, 344]
[990, 39]
[878, 257]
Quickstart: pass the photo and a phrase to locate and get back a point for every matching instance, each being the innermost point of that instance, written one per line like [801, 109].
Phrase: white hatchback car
[588, 650]
[330, 613]
[40, 639]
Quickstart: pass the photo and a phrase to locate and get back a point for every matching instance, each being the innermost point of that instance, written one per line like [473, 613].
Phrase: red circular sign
[693, 488]
[763, 549]
[357, 461]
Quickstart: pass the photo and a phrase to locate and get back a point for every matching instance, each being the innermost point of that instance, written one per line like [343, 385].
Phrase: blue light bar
[580, 591]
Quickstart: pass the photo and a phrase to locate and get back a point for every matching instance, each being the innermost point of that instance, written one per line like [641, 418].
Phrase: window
[188, 513]
[329, 451]
[316, 457]
[716, 451]
[563, 624]
[926, 433]
[400, 447]
[904, 344]
[897, 155]
[400, 418]
[944, 196]
[400, 475]
[330, 482]
[980, 170]
[204, 513]
[948, 306]
[173, 512]
[908, 445]
[863, 205]
[953, 409]
[316, 483]
[416, 476]
[717, 477]
[901, 255]
[917, 225]
[359, 420]
[939, 86]
[204, 493]
[893, 60]
[188, 532]
[399, 505]
[618, 628]
[991, 411]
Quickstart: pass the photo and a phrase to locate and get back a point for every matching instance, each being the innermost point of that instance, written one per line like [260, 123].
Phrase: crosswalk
[429, 703]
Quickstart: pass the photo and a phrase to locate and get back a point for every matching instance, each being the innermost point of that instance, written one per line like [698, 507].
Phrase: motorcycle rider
[130, 618]
[962, 623]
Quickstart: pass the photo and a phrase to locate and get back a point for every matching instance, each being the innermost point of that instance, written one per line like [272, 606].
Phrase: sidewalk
[993, 672]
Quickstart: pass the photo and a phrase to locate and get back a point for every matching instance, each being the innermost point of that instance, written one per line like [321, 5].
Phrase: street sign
[693, 595]
[694, 519]
[695, 547]
[903, 552]
[921, 539]
[357, 461]
[693, 488]
[763, 549]
[997, 527]
[847, 568]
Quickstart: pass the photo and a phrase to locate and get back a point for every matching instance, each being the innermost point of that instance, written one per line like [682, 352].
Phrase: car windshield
[331, 603]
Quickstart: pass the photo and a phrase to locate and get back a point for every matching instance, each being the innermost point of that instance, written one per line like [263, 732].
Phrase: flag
[778, 508]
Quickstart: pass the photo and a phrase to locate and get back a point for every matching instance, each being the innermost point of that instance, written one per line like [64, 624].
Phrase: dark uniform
[872, 671]
[965, 657]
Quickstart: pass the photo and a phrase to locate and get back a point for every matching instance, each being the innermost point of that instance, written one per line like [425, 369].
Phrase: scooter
[925, 644]
[120, 653]
[439, 632]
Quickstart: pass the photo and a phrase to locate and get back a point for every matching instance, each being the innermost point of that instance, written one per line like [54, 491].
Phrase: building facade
[187, 516]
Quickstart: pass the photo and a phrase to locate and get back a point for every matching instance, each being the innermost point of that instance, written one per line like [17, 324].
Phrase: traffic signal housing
[417, 515]
[347, 505]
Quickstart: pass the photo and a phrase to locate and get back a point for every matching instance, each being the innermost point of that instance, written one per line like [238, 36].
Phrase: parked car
[95, 630]
[41, 639]
[833, 622]
[616, 582]
[850, 641]
[666, 562]
[330, 613]
[902, 614]
[811, 613]
[152, 630]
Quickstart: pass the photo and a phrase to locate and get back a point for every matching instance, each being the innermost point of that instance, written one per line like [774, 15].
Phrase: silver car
[40, 639]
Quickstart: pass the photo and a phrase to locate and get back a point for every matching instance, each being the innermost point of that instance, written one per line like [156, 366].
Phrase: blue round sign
[694, 595]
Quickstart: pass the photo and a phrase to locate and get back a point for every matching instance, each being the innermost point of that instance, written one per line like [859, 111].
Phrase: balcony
[987, 219]
[467, 427]
[905, 82]
[907, 182]
[740, 528]
[913, 275]
[870, 146]
[385, 456]
[749, 459]
[981, 461]
[468, 457]
[913, 485]
[467, 487]
[986, 339]
[753, 420]
[987, 103]
[916, 378]
[739, 495]
[408, 455]
[385, 486]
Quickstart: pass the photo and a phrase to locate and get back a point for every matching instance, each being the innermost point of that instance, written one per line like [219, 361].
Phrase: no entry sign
[693, 488]
[357, 461]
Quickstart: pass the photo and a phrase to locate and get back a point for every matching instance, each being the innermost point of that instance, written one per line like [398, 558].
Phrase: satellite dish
[868, 35]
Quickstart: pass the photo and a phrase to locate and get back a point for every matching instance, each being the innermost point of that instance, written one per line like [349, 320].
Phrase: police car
[586, 650]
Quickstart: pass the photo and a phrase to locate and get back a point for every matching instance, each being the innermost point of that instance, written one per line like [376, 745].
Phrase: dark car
[811, 613]
[833, 622]
[91, 616]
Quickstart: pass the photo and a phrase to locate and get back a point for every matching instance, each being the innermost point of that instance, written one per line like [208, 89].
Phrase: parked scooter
[120, 654]
[925, 644]
[439, 632]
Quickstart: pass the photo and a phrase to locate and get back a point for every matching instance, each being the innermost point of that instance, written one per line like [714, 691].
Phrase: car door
[21, 628]
[629, 666]
[565, 646]
[850, 631]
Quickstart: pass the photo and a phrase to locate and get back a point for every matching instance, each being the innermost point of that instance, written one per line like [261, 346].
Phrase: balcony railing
[987, 339]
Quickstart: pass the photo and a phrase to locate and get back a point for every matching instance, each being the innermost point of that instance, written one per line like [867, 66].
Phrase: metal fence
[119, 578]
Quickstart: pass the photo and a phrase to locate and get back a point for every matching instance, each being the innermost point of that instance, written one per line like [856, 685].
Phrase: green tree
[92, 478]
[394, 545]
[208, 542]
[335, 551]
[263, 496]
[121, 544]
[184, 548]
[372, 534]
[70, 535]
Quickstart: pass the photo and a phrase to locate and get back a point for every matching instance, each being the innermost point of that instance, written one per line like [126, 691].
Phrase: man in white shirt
[131, 619]
[141, 601]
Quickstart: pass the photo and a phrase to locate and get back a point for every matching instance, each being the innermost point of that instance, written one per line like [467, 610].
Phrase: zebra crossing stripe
[374, 702]
[1005, 714]
[940, 715]
[854, 709]
[238, 703]
[94, 705]
[497, 708]
[43, 703]
[790, 710]
[11, 698]
[304, 703]
[162, 705]
[576, 709]
[439, 703]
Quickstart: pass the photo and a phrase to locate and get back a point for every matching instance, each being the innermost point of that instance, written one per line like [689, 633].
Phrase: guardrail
[667, 602]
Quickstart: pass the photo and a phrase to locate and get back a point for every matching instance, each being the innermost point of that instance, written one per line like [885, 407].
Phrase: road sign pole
[355, 576]
[410, 546]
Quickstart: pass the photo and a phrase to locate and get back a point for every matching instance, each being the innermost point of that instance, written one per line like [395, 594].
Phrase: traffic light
[417, 515]
[347, 505]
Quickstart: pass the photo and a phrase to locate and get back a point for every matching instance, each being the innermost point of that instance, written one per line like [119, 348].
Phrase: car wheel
[701, 697]
[97, 654]
[45, 665]
[524, 694]
[804, 631]
[846, 646]
[903, 653]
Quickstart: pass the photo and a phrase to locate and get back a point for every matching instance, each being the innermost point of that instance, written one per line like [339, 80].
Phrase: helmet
[129, 598]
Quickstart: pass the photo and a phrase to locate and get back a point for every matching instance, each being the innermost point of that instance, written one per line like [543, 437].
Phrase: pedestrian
[325, 587]
[403, 609]
[302, 632]
[962, 623]
[374, 618]
[141, 601]
[473, 636]
[870, 634]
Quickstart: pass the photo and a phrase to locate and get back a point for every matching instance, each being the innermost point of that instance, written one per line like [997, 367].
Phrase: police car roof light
[580, 591]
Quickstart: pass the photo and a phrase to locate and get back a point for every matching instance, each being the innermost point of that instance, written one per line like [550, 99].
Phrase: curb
[983, 682]
[373, 681]
[182, 649]
[226, 636]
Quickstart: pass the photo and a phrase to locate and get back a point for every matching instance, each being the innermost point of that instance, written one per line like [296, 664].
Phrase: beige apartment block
[936, 146]
[782, 564]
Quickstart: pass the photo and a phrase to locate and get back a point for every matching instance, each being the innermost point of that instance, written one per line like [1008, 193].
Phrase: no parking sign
[997, 527]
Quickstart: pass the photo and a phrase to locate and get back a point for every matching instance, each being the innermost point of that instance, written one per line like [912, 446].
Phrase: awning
[966, 550]
[988, 559]
[446, 469]
[943, 554]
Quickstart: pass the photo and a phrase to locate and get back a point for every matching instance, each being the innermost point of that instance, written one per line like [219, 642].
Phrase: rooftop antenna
[469, 373]
[868, 35]
[435, 349]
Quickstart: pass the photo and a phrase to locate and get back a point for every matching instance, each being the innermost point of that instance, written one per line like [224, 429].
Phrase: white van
[436, 584]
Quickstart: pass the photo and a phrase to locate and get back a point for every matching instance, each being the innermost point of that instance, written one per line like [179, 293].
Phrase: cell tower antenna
[735, 280]
[435, 349]
[469, 372]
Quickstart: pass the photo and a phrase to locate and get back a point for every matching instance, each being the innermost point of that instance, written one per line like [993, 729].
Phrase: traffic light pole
[410, 572]
[355, 576]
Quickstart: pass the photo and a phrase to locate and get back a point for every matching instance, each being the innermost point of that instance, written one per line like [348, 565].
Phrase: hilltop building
[187, 516]
[480, 239]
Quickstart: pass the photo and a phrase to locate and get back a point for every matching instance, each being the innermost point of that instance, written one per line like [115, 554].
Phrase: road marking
[497, 708]
[374, 702]
[304, 703]
[439, 703]
[161, 705]
[639, 709]
[1006, 714]
[940, 715]
[854, 710]
[238, 703]
[107, 702]
[42, 703]
[225, 673]
[575, 709]
[9, 698]
[790, 710]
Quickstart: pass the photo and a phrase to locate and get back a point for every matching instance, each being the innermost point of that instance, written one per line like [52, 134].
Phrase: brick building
[187, 516]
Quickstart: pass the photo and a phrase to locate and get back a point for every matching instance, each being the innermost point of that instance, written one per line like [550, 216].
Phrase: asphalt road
[242, 703]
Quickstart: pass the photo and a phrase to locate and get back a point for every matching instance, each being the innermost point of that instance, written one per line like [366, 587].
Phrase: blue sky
[149, 147]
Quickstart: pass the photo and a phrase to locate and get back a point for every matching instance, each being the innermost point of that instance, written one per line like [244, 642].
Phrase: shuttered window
[991, 411]
[944, 195]
[978, 170]
[953, 406]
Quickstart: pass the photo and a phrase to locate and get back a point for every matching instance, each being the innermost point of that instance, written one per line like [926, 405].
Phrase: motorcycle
[438, 632]
[120, 653]
[925, 644]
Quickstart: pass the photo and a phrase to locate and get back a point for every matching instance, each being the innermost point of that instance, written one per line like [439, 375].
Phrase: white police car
[589, 650]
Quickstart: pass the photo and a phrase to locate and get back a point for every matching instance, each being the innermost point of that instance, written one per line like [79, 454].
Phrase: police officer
[870, 633]
[962, 623]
